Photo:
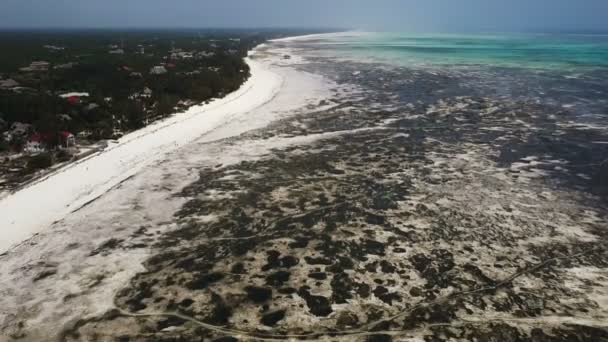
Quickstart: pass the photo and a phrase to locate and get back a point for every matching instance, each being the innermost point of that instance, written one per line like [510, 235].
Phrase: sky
[379, 15]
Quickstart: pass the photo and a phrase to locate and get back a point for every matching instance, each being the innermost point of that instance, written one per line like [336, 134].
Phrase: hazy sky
[405, 15]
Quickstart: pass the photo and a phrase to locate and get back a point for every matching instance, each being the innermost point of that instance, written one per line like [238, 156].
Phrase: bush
[3, 145]
[63, 156]
[40, 161]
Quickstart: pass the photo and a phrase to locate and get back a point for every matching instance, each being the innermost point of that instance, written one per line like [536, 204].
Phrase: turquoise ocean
[557, 51]
[568, 72]
[548, 93]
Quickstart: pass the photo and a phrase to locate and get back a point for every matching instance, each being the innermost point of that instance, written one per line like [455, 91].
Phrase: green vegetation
[3, 145]
[40, 161]
[131, 78]
[63, 88]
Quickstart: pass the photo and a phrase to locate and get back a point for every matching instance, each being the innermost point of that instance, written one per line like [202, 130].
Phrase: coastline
[318, 35]
[63, 191]
[345, 207]
[41, 275]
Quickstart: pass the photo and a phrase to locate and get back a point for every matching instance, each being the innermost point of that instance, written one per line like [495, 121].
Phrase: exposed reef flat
[410, 205]
[461, 219]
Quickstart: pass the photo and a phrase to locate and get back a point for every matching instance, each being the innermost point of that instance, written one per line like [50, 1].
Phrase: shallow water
[554, 86]
[539, 51]
[568, 72]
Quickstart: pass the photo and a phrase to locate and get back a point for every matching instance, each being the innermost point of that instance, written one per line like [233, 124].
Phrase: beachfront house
[37, 142]
[181, 55]
[64, 66]
[65, 118]
[33, 147]
[54, 48]
[205, 54]
[19, 129]
[91, 106]
[158, 70]
[146, 93]
[36, 66]
[20, 90]
[34, 143]
[17, 133]
[67, 139]
[8, 83]
[74, 97]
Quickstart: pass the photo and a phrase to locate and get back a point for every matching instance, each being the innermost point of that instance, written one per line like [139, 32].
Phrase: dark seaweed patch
[318, 305]
[203, 281]
[271, 319]
[277, 279]
[258, 294]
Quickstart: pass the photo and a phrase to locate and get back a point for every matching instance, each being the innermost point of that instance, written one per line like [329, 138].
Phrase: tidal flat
[402, 204]
[426, 208]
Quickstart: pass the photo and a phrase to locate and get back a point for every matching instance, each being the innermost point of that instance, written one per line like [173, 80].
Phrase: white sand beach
[50, 199]
[132, 184]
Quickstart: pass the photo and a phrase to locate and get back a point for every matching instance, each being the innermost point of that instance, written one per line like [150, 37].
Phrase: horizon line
[51, 29]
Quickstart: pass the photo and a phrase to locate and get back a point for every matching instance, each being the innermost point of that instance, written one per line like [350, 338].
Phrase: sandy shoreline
[339, 210]
[37, 206]
[136, 186]
[76, 184]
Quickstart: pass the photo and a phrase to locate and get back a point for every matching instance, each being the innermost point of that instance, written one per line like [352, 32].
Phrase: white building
[33, 147]
[20, 129]
[91, 106]
[54, 48]
[36, 66]
[205, 54]
[8, 83]
[158, 70]
[73, 94]
[65, 66]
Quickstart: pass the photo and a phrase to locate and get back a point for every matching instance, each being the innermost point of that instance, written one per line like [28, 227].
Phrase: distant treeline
[114, 68]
